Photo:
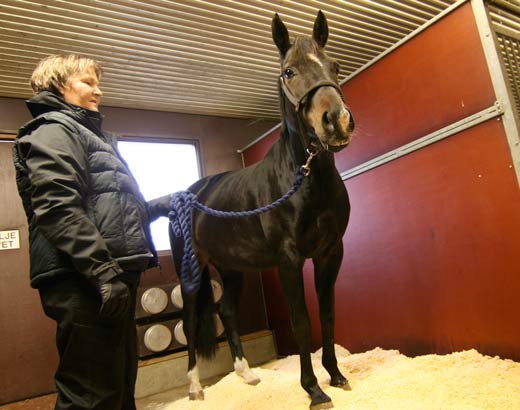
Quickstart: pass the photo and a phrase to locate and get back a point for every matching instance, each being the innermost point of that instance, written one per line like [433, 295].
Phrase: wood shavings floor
[380, 379]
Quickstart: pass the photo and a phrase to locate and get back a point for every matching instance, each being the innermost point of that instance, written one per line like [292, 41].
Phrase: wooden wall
[27, 353]
[431, 263]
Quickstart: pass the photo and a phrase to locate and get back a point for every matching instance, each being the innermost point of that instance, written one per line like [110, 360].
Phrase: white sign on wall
[9, 240]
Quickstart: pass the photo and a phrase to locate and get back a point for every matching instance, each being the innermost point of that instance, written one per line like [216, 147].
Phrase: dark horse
[315, 123]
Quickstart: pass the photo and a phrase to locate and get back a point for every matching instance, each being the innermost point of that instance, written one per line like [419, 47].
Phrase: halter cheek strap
[298, 103]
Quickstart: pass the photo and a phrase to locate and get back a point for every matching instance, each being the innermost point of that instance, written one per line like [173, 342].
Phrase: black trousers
[97, 366]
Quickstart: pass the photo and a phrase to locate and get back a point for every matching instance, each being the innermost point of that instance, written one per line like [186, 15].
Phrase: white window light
[161, 168]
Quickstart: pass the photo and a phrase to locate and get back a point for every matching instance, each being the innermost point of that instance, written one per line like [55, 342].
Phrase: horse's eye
[288, 73]
[337, 68]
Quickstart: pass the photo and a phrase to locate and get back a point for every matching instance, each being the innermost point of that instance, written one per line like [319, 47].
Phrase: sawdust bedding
[380, 380]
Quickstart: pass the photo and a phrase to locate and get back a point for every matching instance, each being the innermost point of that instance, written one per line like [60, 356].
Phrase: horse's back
[230, 241]
[207, 182]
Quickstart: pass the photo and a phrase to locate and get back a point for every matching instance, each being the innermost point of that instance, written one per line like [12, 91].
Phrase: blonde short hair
[53, 72]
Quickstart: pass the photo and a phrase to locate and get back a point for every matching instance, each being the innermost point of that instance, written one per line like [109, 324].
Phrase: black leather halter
[299, 103]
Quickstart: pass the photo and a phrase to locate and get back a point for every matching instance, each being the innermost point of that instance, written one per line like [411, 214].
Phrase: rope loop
[182, 204]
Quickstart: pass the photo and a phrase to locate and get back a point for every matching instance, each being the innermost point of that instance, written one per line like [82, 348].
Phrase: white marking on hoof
[242, 369]
[196, 392]
[197, 396]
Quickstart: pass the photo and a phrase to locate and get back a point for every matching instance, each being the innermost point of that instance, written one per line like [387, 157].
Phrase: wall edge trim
[499, 81]
[261, 137]
[488, 113]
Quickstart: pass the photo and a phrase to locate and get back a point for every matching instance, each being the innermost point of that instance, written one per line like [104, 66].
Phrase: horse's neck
[290, 151]
[291, 144]
[287, 154]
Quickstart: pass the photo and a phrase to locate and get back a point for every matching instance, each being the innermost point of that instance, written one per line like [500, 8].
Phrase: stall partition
[431, 261]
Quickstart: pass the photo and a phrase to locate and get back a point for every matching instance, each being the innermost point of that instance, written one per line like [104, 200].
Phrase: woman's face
[83, 90]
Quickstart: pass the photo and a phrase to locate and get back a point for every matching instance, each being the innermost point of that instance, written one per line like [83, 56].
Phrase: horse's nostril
[328, 122]
[325, 118]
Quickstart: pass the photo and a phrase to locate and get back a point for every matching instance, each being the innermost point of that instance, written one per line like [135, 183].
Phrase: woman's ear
[58, 88]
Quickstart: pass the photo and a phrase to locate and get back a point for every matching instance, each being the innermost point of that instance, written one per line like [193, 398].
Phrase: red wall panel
[257, 152]
[433, 80]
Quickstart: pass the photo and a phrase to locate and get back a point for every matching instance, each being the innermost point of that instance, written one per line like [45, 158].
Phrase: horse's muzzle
[335, 147]
[338, 127]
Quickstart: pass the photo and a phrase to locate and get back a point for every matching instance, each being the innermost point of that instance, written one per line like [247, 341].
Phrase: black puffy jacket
[85, 212]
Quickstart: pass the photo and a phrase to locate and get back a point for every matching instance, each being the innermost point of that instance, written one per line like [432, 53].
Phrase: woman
[88, 232]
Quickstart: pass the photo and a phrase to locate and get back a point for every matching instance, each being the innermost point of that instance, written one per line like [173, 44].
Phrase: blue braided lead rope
[182, 204]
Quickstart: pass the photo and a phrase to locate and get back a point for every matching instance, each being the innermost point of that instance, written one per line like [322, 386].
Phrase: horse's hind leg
[326, 270]
[189, 317]
[228, 312]
[189, 320]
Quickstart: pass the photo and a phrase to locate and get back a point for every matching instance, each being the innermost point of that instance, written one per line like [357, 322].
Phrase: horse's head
[309, 80]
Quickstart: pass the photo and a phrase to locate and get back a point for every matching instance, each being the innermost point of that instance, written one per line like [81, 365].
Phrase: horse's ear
[280, 35]
[320, 32]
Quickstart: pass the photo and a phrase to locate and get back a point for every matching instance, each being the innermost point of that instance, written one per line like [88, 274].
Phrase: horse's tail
[206, 330]
[206, 339]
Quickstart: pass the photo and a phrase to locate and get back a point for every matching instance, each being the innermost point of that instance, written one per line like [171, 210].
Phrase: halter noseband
[298, 103]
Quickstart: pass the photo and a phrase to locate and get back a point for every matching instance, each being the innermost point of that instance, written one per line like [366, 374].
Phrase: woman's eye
[88, 80]
[288, 73]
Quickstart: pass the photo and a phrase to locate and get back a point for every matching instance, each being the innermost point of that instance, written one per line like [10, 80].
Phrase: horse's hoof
[321, 406]
[321, 402]
[242, 369]
[253, 381]
[341, 383]
[345, 386]
[199, 395]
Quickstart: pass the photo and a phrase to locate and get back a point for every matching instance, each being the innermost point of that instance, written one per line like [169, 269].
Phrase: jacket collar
[46, 101]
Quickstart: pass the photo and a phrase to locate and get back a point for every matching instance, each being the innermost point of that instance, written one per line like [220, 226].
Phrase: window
[161, 168]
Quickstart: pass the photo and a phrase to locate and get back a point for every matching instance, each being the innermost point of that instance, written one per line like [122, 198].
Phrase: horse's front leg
[326, 268]
[228, 310]
[291, 278]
